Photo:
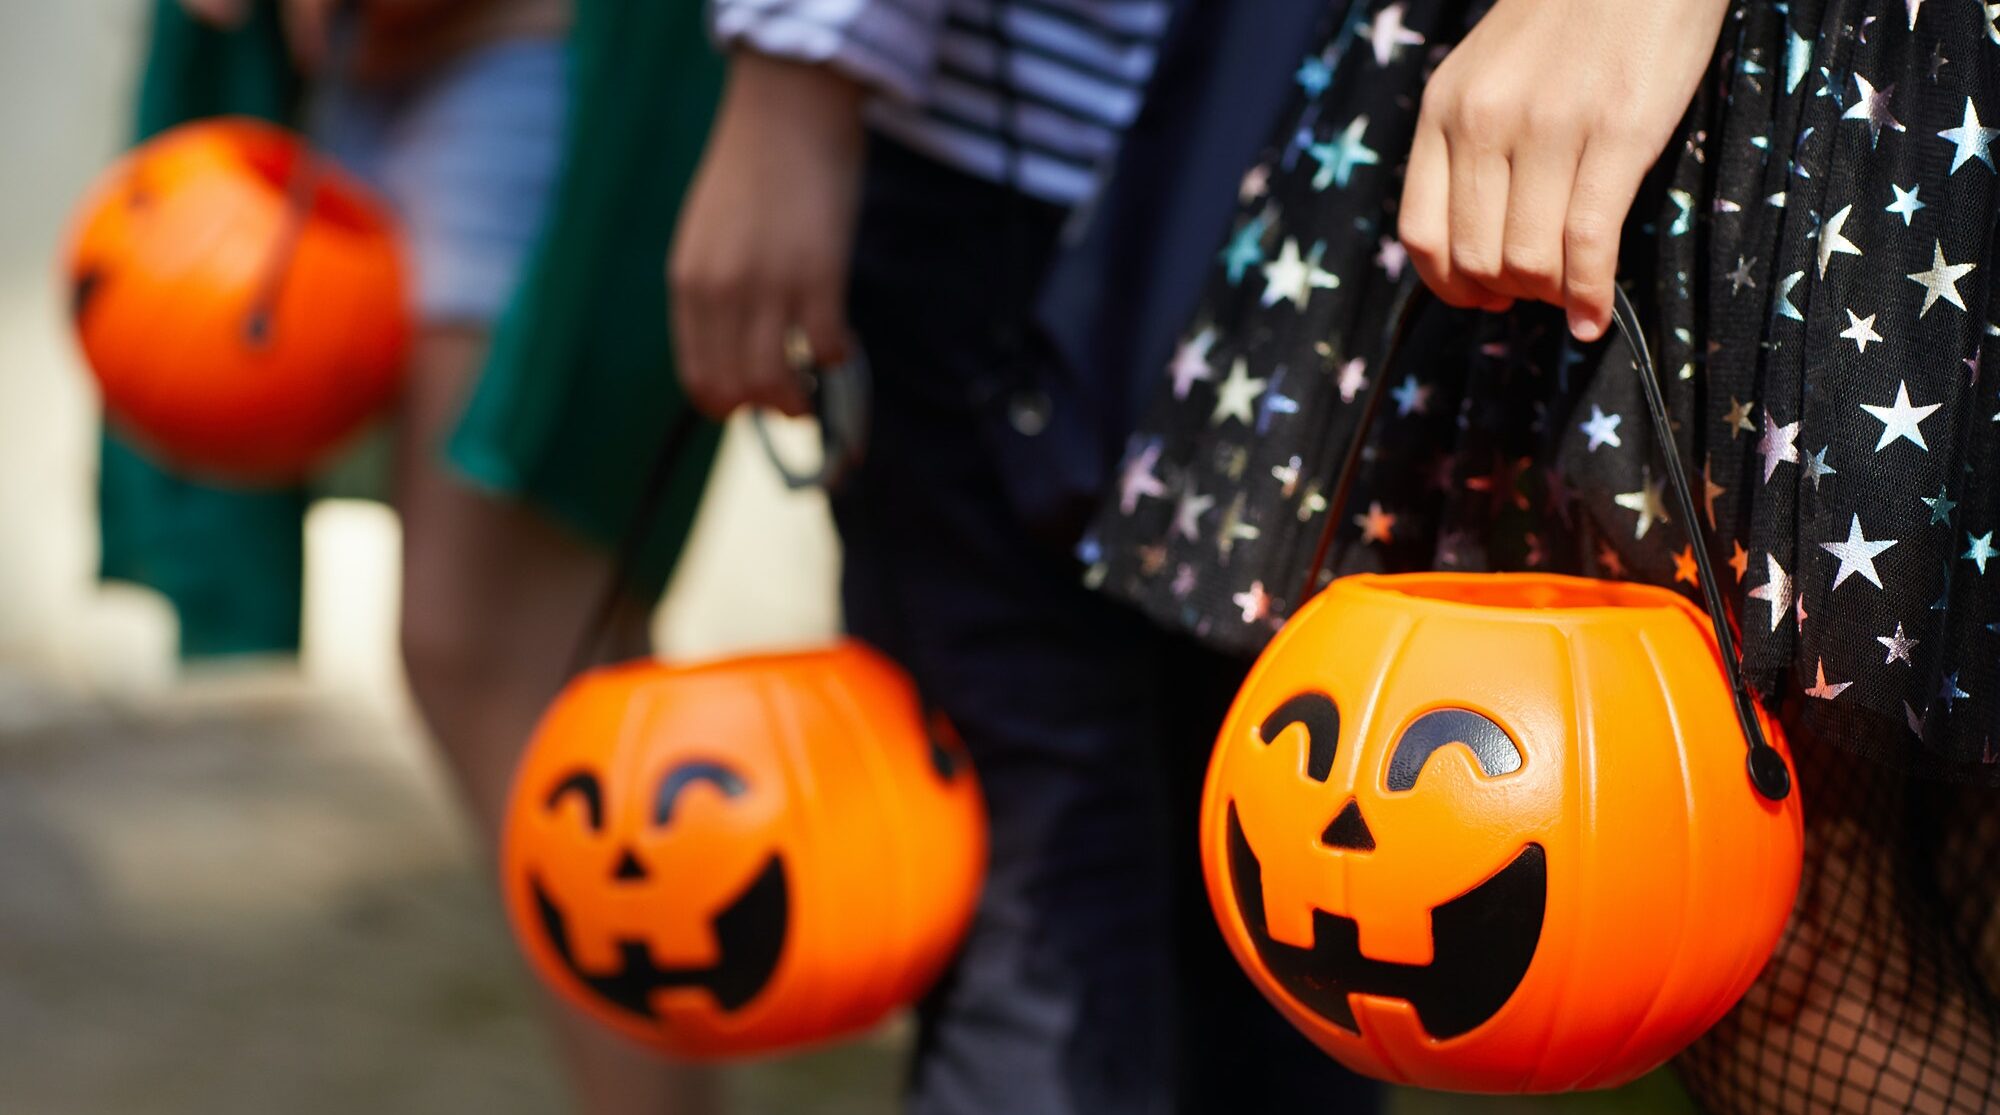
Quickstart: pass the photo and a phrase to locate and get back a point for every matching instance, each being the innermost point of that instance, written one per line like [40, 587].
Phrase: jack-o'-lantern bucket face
[689, 872]
[1495, 833]
[745, 855]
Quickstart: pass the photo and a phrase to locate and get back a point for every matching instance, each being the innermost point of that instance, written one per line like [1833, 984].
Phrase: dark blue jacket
[1124, 287]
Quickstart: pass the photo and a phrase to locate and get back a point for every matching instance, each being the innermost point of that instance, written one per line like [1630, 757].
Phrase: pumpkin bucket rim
[1522, 595]
[827, 650]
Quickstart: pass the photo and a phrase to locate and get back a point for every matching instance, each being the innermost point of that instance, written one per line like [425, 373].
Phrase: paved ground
[243, 898]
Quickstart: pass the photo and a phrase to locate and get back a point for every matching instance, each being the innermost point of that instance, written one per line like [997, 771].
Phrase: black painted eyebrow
[1321, 718]
[585, 784]
[727, 781]
[1489, 743]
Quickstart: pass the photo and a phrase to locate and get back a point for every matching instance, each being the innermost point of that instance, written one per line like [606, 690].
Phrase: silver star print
[1833, 242]
[1392, 257]
[1293, 278]
[1312, 502]
[1941, 507]
[1779, 445]
[1980, 549]
[1602, 429]
[1941, 281]
[1649, 501]
[1246, 248]
[1234, 528]
[1188, 511]
[1775, 591]
[1872, 107]
[1353, 379]
[1970, 139]
[1237, 396]
[1254, 601]
[1785, 307]
[1949, 691]
[1901, 420]
[1256, 183]
[1742, 276]
[1287, 476]
[1899, 646]
[1860, 330]
[1275, 402]
[1387, 34]
[1139, 480]
[1313, 76]
[1857, 554]
[1821, 689]
[1338, 158]
[1738, 417]
[1684, 220]
[1190, 363]
[1906, 203]
[1411, 397]
[1914, 5]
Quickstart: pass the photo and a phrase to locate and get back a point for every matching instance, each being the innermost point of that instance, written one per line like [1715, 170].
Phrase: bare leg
[494, 601]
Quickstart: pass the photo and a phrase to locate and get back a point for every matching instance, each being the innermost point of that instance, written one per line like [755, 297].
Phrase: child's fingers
[1478, 208]
[1424, 221]
[1543, 177]
[1607, 181]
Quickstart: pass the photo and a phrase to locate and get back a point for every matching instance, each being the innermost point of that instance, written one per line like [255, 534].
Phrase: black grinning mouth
[750, 933]
[1483, 942]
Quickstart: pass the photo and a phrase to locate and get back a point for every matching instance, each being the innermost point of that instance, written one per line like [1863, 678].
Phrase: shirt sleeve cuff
[889, 48]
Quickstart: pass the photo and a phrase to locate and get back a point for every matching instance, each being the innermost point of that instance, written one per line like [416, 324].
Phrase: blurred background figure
[460, 112]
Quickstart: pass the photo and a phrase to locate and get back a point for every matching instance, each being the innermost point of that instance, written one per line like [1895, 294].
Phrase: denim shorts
[467, 154]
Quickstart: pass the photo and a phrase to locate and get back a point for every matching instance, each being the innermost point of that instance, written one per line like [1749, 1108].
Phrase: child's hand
[764, 237]
[308, 30]
[307, 23]
[217, 13]
[1534, 136]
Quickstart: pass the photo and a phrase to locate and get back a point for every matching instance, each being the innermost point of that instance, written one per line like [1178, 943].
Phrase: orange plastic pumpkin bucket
[1498, 833]
[239, 301]
[742, 856]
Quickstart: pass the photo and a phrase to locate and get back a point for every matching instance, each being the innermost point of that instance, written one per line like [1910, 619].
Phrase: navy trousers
[1093, 980]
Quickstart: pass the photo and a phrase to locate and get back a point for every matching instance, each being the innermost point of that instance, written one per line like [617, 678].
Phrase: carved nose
[1349, 831]
[629, 869]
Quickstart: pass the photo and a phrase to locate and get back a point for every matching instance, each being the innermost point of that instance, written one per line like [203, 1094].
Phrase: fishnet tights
[1881, 997]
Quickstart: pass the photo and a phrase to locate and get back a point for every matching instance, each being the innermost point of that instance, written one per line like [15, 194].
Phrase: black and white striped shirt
[1034, 93]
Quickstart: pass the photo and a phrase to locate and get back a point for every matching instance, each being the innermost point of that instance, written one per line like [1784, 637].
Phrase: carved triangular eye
[1321, 718]
[1349, 830]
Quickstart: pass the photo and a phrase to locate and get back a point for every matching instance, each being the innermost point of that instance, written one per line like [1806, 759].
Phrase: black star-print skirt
[1814, 256]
